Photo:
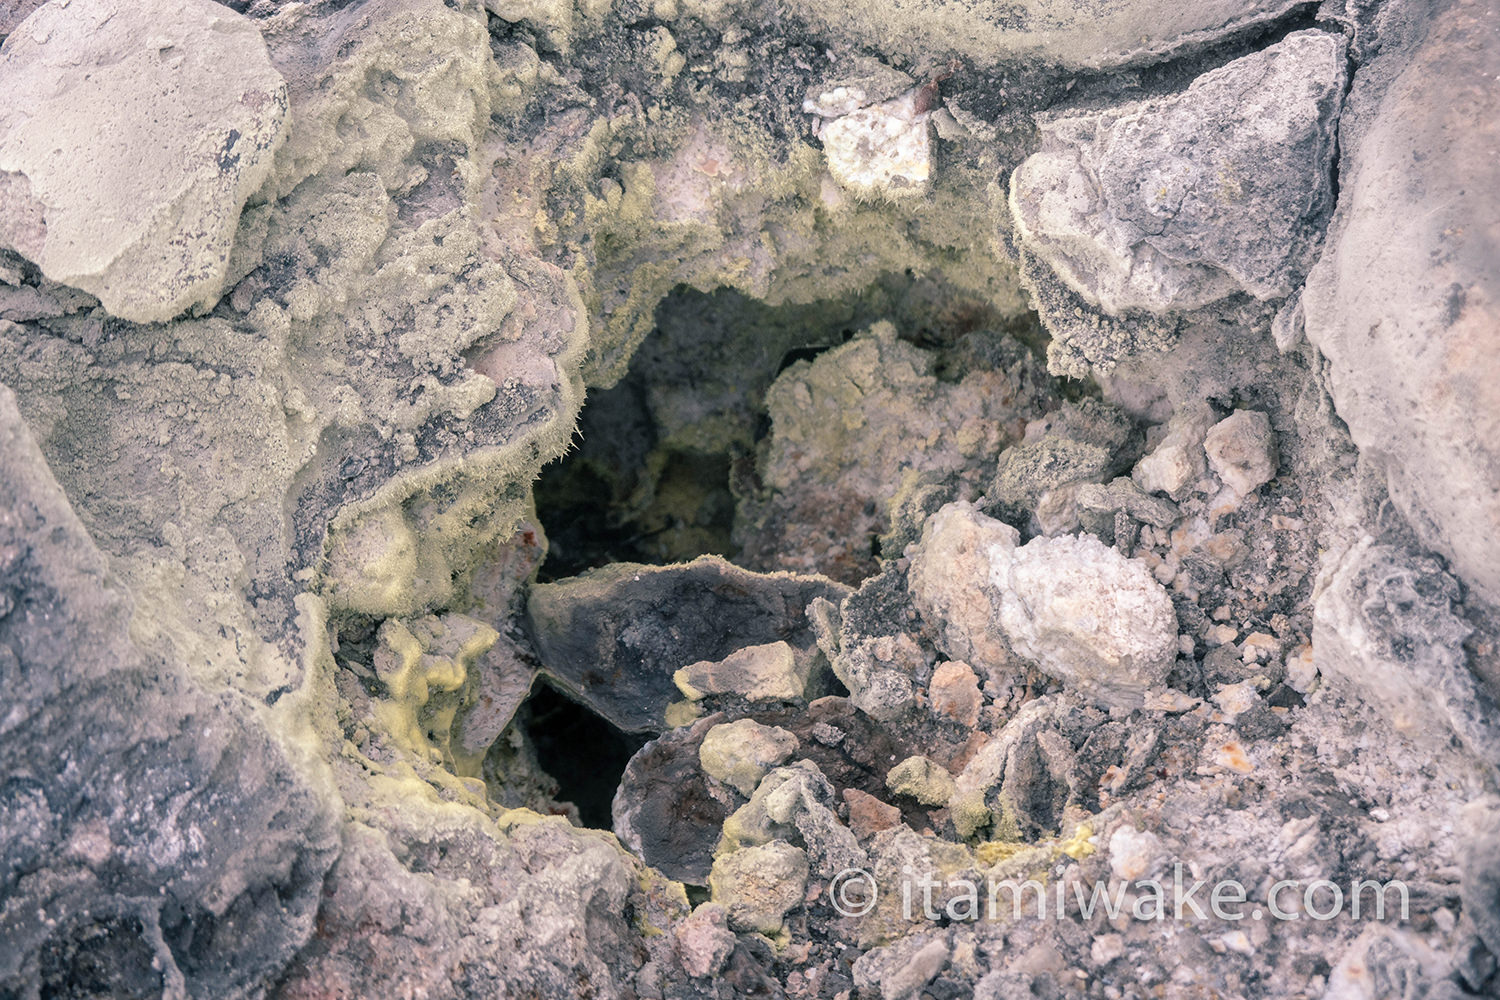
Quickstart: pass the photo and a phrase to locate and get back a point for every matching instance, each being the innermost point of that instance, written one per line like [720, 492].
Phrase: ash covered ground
[718, 498]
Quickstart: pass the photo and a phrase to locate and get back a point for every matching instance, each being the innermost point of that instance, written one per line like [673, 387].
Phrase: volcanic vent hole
[667, 464]
[662, 458]
[582, 752]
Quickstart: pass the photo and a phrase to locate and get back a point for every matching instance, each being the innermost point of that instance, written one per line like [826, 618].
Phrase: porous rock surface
[1173, 204]
[1086, 614]
[1083, 412]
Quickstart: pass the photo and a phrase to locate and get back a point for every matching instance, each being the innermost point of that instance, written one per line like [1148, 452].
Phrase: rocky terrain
[693, 498]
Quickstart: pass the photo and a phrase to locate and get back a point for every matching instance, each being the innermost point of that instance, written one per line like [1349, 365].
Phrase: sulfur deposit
[719, 498]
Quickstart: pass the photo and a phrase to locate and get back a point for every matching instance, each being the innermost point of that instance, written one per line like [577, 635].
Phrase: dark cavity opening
[662, 458]
[582, 752]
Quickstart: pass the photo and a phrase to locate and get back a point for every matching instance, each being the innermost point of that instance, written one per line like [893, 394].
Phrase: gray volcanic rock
[670, 810]
[1481, 869]
[615, 636]
[1384, 624]
[1090, 34]
[849, 427]
[1182, 201]
[131, 135]
[665, 811]
[268, 725]
[1404, 302]
[142, 823]
[13, 12]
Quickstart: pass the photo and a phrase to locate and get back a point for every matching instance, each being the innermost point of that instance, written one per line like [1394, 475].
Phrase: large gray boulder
[131, 134]
[1176, 203]
[1071, 33]
[144, 824]
[1405, 302]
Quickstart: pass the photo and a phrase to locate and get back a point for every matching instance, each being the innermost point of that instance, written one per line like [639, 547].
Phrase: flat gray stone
[1405, 302]
[615, 636]
[1175, 203]
[131, 134]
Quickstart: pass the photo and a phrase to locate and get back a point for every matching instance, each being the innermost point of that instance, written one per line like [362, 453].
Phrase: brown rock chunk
[704, 941]
[868, 815]
[954, 691]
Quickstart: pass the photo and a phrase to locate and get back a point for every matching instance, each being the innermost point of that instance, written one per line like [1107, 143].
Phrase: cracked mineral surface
[659, 499]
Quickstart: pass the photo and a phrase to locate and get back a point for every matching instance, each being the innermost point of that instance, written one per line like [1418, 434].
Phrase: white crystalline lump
[1134, 854]
[1178, 462]
[882, 151]
[1086, 615]
[1081, 611]
[131, 134]
[1241, 449]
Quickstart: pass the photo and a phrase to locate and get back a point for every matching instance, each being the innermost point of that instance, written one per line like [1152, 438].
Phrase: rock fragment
[1178, 462]
[616, 636]
[1134, 854]
[1087, 615]
[870, 648]
[899, 971]
[923, 779]
[854, 424]
[1242, 451]
[1029, 473]
[1122, 496]
[1384, 625]
[1081, 611]
[759, 885]
[767, 672]
[1017, 785]
[1409, 266]
[503, 678]
[1138, 208]
[704, 941]
[665, 811]
[948, 580]
[883, 151]
[862, 83]
[795, 804]
[868, 815]
[1039, 478]
[1039, 31]
[131, 135]
[954, 692]
[740, 753]
[878, 672]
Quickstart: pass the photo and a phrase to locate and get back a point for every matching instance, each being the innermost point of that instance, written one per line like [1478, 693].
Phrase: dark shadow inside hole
[797, 354]
[577, 507]
[662, 458]
[585, 754]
